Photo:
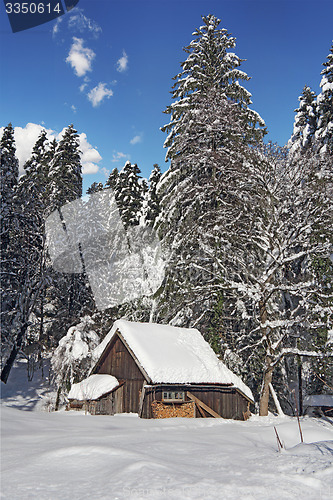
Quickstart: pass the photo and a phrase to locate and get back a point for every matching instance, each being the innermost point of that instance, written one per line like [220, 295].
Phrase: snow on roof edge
[93, 387]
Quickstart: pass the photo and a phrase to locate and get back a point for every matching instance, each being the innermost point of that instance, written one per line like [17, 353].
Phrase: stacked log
[169, 410]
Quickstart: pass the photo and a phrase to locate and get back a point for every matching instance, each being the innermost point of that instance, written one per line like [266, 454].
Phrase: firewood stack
[168, 410]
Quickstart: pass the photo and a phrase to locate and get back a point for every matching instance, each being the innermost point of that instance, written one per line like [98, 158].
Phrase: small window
[173, 396]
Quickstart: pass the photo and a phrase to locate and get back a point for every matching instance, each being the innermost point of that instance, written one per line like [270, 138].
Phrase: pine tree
[209, 66]
[70, 292]
[211, 133]
[113, 179]
[9, 215]
[65, 174]
[9, 179]
[96, 187]
[305, 123]
[153, 202]
[128, 194]
[27, 254]
[324, 133]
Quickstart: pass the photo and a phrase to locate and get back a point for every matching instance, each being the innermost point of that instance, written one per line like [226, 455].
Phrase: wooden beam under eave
[203, 405]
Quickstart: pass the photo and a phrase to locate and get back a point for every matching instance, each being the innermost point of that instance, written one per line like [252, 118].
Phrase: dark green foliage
[305, 123]
[96, 187]
[9, 222]
[325, 108]
[209, 67]
[153, 202]
[128, 193]
[65, 173]
[113, 179]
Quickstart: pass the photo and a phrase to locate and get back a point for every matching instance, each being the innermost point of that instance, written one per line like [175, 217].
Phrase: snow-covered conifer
[65, 174]
[209, 134]
[305, 123]
[9, 179]
[128, 194]
[9, 218]
[324, 133]
[96, 187]
[112, 179]
[208, 66]
[153, 202]
[26, 264]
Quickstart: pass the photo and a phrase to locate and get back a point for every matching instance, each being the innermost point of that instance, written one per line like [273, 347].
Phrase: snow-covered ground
[70, 455]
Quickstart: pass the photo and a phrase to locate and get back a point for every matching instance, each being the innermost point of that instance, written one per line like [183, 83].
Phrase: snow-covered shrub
[73, 358]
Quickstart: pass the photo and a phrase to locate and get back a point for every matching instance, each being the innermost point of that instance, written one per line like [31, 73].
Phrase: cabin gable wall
[118, 361]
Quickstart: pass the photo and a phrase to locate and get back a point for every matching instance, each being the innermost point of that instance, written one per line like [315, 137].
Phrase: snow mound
[93, 387]
[171, 355]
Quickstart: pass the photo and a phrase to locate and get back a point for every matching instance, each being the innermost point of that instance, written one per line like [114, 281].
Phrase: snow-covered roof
[93, 387]
[173, 355]
[318, 400]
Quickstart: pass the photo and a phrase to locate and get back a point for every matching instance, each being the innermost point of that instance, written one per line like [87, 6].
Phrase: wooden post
[142, 397]
[298, 420]
[280, 445]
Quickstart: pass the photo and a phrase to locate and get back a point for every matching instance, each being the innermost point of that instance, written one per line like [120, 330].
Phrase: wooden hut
[165, 371]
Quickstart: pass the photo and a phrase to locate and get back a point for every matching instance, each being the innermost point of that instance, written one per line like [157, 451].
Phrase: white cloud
[90, 156]
[79, 57]
[105, 171]
[118, 155]
[56, 26]
[26, 137]
[97, 94]
[136, 139]
[73, 108]
[122, 63]
[78, 21]
[83, 86]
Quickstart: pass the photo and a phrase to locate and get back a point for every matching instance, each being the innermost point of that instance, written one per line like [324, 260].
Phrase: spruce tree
[153, 201]
[9, 217]
[112, 179]
[324, 133]
[70, 292]
[96, 187]
[128, 195]
[9, 178]
[65, 174]
[211, 133]
[305, 123]
[209, 66]
[26, 249]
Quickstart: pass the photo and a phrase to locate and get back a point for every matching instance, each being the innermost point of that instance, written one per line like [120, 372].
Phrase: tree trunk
[264, 397]
[58, 399]
[16, 348]
[268, 373]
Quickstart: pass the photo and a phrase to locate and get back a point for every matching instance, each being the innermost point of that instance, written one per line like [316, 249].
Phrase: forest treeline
[245, 228]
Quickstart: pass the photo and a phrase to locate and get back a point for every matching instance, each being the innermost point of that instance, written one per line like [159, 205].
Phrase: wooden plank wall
[118, 362]
[227, 402]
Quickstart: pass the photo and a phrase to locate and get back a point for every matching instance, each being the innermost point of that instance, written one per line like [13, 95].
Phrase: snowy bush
[73, 357]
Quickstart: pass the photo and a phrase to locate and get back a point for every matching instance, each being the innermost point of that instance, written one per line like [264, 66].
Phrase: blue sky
[107, 67]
